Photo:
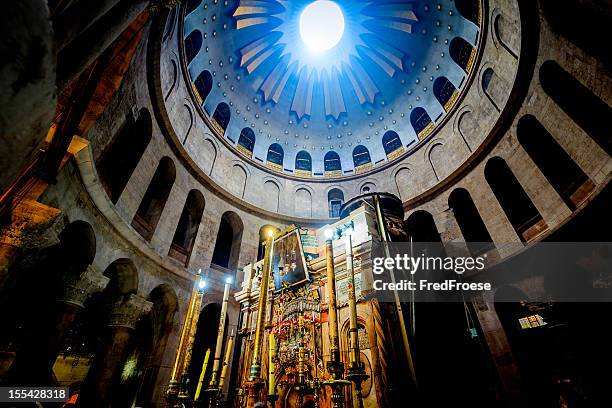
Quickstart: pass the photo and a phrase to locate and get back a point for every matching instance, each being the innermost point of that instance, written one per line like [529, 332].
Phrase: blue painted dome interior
[397, 70]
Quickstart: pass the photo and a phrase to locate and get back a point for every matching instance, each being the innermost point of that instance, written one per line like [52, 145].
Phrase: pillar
[34, 362]
[105, 370]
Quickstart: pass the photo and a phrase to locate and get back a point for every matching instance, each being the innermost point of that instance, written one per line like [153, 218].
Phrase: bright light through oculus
[321, 25]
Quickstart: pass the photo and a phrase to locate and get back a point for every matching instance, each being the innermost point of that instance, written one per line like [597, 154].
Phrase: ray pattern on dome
[274, 41]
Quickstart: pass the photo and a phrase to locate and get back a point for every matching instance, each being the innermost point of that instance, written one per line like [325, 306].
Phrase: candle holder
[356, 373]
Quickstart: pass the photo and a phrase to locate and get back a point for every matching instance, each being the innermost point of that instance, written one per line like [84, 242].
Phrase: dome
[385, 84]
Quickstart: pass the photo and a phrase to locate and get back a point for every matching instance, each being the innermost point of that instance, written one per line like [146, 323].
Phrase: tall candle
[202, 373]
[228, 354]
[353, 331]
[271, 368]
[220, 338]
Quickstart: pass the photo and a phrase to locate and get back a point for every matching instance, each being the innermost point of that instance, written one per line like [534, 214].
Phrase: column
[104, 373]
[33, 364]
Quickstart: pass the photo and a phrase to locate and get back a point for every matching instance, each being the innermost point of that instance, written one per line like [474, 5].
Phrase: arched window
[332, 165]
[421, 122]
[187, 228]
[205, 338]
[153, 203]
[578, 102]
[470, 222]
[462, 53]
[191, 5]
[392, 144]
[361, 158]
[203, 85]
[193, 43]
[246, 142]
[335, 199]
[445, 92]
[518, 207]
[566, 177]
[470, 9]
[303, 163]
[221, 117]
[275, 157]
[421, 227]
[118, 161]
[229, 239]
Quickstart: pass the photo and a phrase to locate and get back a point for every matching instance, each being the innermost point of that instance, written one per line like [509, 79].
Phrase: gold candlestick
[356, 371]
[228, 353]
[220, 336]
[202, 374]
[334, 365]
[255, 382]
[271, 368]
[182, 360]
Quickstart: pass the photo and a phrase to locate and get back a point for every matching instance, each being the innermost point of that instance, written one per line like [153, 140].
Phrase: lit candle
[202, 373]
[353, 331]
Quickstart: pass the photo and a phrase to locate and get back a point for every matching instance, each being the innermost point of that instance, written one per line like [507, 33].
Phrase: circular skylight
[321, 25]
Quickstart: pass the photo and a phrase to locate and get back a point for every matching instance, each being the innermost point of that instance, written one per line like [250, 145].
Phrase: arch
[123, 277]
[506, 34]
[445, 92]
[421, 122]
[229, 239]
[462, 53]
[335, 199]
[332, 164]
[246, 142]
[190, 126]
[203, 85]
[421, 227]
[264, 232]
[209, 155]
[174, 78]
[79, 240]
[518, 207]
[303, 203]
[149, 212]
[361, 158]
[303, 163]
[271, 195]
[566, 177]
[392, 144]
[367, 187]
[205, 338]
[120, 158]
[238, 180]
[275, 157]
[221, 117]
[438, 160]
[494, 87]
[193, 44]
[469, 9]
[473, 228]
[402, 178]
[578, 102]
[187, 227]
[191, 5]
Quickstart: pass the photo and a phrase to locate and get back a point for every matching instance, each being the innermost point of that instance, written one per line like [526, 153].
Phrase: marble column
[34, 362]
[105, 370]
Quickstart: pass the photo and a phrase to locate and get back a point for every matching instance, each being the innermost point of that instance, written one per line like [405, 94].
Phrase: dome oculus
[321, 25]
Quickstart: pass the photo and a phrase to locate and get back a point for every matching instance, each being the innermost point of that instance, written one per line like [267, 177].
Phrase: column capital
[77, 289]
[128, 310]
